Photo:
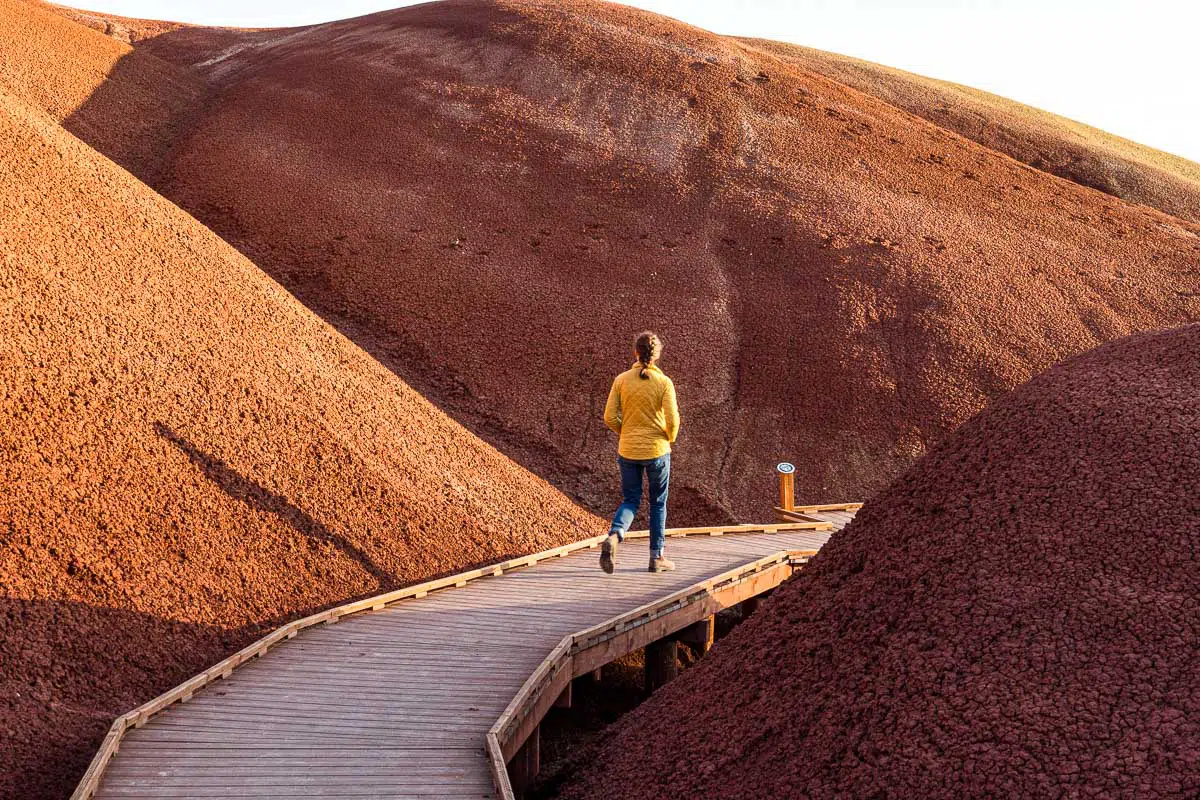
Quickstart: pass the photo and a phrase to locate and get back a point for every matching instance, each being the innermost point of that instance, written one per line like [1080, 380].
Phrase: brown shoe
[661, 564]
[608, 553]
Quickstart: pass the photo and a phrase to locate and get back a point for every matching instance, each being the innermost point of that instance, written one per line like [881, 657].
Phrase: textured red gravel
[189, 456]
[493, 196]
[1017, 616]
[1057, 145]
[135, 102]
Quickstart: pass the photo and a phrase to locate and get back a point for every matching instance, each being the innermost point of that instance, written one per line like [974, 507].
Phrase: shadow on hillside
[138, 113]
[67, 669]
[260, 498]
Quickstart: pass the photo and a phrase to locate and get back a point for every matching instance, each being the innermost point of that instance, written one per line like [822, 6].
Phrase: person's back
[642, 409]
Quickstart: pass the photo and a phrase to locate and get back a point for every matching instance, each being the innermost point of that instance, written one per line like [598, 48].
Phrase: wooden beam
[721, 530]
[822, 507]
[526, 764]
[784, 515]
[498, 766]
[699, 635]
[604, 643]
[537, 695]
[787, 486]
[662, 663]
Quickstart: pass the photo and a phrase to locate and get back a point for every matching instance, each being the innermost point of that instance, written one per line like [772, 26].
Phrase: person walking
[642, 409]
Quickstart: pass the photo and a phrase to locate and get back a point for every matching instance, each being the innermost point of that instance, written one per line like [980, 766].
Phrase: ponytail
[648, 348]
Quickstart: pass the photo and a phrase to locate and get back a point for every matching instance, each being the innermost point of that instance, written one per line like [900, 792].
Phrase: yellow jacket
[643, 412]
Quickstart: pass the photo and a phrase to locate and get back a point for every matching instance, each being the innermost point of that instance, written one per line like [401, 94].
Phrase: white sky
[1129, 67]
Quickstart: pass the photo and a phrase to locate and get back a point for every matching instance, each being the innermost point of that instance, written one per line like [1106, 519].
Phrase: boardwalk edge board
[111, 745]
[544, 683]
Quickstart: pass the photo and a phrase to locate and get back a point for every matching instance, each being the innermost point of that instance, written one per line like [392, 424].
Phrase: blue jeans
[658, 475]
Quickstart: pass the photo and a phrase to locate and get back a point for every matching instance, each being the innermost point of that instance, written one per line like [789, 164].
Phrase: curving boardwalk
[396, 703]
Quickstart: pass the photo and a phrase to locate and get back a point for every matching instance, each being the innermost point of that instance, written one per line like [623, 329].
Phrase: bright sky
[1131, 67]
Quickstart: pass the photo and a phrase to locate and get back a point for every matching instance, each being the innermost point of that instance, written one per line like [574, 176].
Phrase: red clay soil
[1017, 616]
[189, 456]
[1055, 144]
[53, 64]
[493, 197]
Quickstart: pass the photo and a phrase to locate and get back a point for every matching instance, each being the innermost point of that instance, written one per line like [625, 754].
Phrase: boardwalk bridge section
[437, 690]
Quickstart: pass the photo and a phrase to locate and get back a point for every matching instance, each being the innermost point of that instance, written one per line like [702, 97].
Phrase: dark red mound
[1055, 144]
[189, 456]
[1017, 616]
[493, 196]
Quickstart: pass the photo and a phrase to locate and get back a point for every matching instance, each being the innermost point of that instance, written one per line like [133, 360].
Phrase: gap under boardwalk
[396, 703]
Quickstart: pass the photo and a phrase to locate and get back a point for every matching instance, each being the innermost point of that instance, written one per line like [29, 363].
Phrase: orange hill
[1017, 616]
[491, 197]
[189, 455]
[125, 103]
[1055, 144]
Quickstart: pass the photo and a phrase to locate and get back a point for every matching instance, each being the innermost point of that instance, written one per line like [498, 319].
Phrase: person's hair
[648, 348]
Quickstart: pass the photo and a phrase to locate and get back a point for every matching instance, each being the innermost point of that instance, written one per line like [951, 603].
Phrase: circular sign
[785, 468]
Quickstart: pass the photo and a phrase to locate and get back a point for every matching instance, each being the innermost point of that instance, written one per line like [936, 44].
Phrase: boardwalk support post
[526, 764]
[662, 663]
[699, 635]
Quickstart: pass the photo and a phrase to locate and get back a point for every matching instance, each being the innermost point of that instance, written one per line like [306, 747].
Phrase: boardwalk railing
[580, 653]
[582, 648]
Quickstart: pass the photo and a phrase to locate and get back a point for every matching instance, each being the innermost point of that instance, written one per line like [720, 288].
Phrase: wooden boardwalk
[396, 703]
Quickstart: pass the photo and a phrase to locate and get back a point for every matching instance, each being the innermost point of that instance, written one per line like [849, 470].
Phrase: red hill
[1016, 616]
[188, 455]
[1055, 144]
[491, 196]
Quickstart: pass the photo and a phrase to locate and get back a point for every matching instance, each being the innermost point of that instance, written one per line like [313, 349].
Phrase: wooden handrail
[90, 781]
[545, 682]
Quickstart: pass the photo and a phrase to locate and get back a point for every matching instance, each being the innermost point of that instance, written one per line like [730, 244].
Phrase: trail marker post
[787, 485]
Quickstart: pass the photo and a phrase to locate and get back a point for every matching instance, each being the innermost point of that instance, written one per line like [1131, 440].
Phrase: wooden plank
[108, 748]
[537, 694]
[791, 515]
[826, 507]
[434, 697]
[370, 793]
[806, 525]
[467, 772]
[220, 759]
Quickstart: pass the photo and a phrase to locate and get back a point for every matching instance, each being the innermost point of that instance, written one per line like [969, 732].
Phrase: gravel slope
[1060, 146]
[1016, 616]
